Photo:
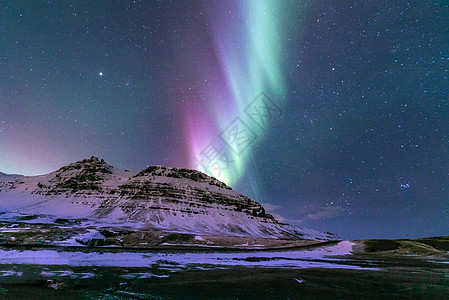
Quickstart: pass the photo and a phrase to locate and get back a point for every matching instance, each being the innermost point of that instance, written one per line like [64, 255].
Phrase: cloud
[280, 218]
[270, 207]
[329, 212]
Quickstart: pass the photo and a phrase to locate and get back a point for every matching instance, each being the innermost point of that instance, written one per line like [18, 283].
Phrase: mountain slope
[157, 198]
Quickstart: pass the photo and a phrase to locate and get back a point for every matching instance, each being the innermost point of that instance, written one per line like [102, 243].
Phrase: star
[100, 73]
[404, 186]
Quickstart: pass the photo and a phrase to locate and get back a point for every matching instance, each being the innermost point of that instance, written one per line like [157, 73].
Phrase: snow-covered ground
[323, 257]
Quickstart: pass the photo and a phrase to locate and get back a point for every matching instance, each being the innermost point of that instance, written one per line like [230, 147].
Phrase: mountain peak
[182, 173]
[86, 174]
[157, 198]
[92, 160]
[89, 164]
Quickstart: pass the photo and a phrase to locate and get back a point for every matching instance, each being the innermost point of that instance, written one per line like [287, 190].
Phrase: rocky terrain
[91, 203]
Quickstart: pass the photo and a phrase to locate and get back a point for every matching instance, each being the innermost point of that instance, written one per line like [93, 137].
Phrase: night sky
[334, 114]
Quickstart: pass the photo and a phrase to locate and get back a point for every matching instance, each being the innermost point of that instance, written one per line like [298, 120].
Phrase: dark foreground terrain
[368, 269]
[393, 278]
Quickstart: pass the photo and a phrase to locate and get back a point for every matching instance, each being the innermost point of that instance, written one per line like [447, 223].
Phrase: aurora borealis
[249, 64]
[334, 115]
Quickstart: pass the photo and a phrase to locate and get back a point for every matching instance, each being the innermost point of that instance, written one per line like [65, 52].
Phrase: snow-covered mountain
[157, 198]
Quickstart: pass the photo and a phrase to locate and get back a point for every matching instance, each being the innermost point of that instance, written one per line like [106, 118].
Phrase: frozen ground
[323, 272]
[310, 275]
[322, 257]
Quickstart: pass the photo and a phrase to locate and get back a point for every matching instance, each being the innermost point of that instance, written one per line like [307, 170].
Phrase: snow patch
[179, 260]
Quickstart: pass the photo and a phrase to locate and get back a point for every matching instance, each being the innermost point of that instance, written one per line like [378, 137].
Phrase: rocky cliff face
[157, 198]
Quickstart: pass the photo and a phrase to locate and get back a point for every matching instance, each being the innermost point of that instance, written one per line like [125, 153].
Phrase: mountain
[157, 199]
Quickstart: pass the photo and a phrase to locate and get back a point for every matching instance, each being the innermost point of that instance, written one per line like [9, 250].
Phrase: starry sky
[333, 114]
